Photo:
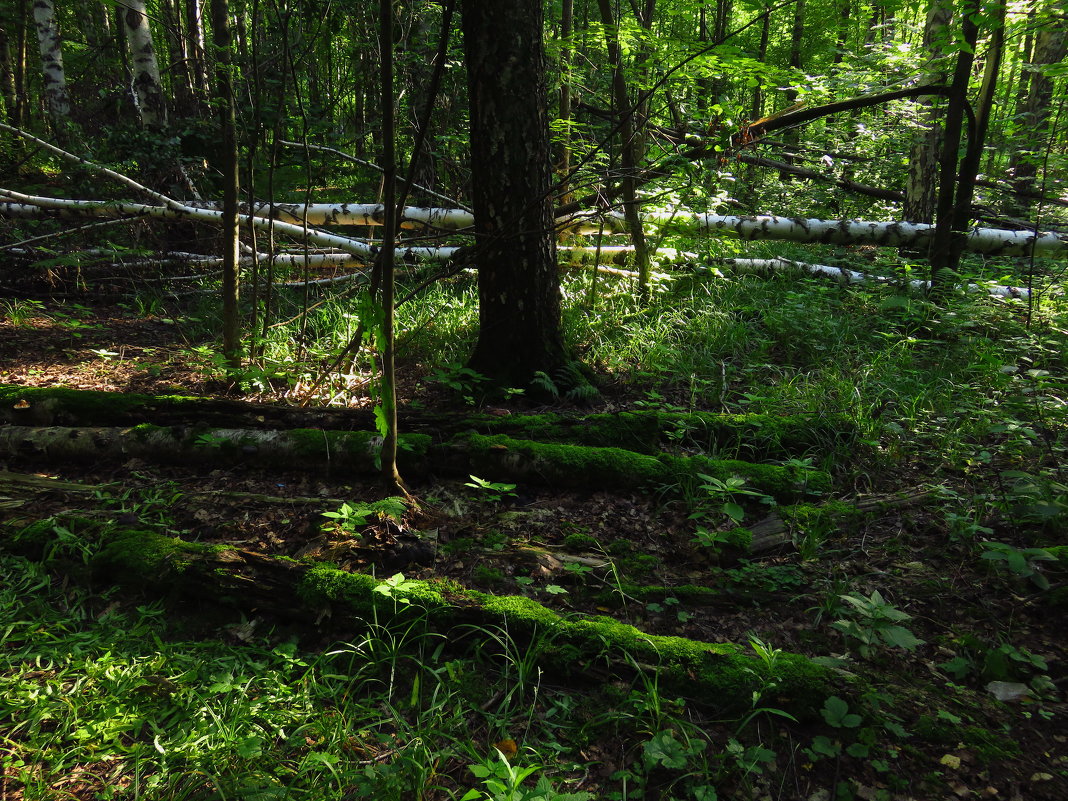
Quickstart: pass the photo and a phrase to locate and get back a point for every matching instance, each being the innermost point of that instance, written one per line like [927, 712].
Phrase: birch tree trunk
[194, 34]
[51, 48]
[147, 88]
[921, 182]
[518, 281]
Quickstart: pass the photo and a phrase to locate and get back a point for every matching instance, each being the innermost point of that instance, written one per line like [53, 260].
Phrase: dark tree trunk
[518, 281]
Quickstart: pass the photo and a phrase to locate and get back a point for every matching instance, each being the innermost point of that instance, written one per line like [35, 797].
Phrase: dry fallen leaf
[507, 747]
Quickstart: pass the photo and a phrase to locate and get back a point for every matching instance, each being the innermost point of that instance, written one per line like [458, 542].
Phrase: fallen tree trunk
[717, 675]
[857, 277]
[357, 452]
[991, 241]
[789, 524]
[759, 437]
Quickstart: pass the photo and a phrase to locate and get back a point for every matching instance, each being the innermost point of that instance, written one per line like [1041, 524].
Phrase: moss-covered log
[758, 437]
[751, 436]
[722, 676]
[306, 449]
[503, 458]
[499, 457]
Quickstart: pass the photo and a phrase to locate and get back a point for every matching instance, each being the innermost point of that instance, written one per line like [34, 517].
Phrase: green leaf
[836, 712]
[900, 637]
[734, 512]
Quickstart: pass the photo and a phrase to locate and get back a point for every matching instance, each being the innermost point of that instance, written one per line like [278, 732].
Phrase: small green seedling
[352, 516]
[491, 491]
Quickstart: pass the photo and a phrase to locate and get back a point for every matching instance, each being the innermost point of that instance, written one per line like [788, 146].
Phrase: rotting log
[722, 676]
[756, 436]
[787, 523]
[306, 449]
[355, 452]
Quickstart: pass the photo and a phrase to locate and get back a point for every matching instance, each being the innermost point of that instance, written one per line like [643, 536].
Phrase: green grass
[103, 699]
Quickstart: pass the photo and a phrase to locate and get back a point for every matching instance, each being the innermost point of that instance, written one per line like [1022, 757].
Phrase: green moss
[580, 542]
[763, 436]
[140, 556]
[739, 538]
[63, 406]
[595, 467]
[989, 746]
[490, 576]
[519, 611]
[554, 463]
[325, 584]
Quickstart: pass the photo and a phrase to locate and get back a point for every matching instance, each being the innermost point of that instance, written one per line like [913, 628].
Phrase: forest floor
[935, 728]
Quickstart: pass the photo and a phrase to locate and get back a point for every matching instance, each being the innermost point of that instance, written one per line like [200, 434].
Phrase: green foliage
[490, 491]
[503, 782]
[350, 517]
[1022, 563]
[872, 624]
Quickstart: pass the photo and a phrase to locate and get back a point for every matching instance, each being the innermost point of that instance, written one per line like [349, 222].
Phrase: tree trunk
[1033, 113]
[629, 146]
[921, 182]
[55, 78]
[231, 313]
[148, 91]
[7, 75]
[567, 19]
[194, 34]
[518, 281]
[943, 254]
[387, 345]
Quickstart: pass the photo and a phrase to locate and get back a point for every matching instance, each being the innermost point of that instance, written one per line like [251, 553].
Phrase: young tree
[518, 280]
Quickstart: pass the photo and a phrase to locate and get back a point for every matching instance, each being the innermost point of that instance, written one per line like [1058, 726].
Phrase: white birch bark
[48, 40]
[147, 88]
[991, 241]
[857, 277]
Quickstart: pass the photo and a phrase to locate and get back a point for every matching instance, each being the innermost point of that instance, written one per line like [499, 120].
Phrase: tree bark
[1033, 113]
[147, 88]
[921, 184]
[628, 144]
[51, 49]
[231, 314]
[943, 254]
[518, 281]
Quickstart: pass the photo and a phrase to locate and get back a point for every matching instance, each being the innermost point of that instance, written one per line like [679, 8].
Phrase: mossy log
[498, 457]
[753, 436]
[504, 458]
[62, 406]
[305, 449]
[722, 676]
[758, 437]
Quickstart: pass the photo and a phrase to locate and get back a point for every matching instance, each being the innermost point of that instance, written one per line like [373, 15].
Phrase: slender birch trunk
[147, 88]
[921, 183]
[51, 48]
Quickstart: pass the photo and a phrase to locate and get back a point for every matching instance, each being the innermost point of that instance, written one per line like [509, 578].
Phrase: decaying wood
[773, 532]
